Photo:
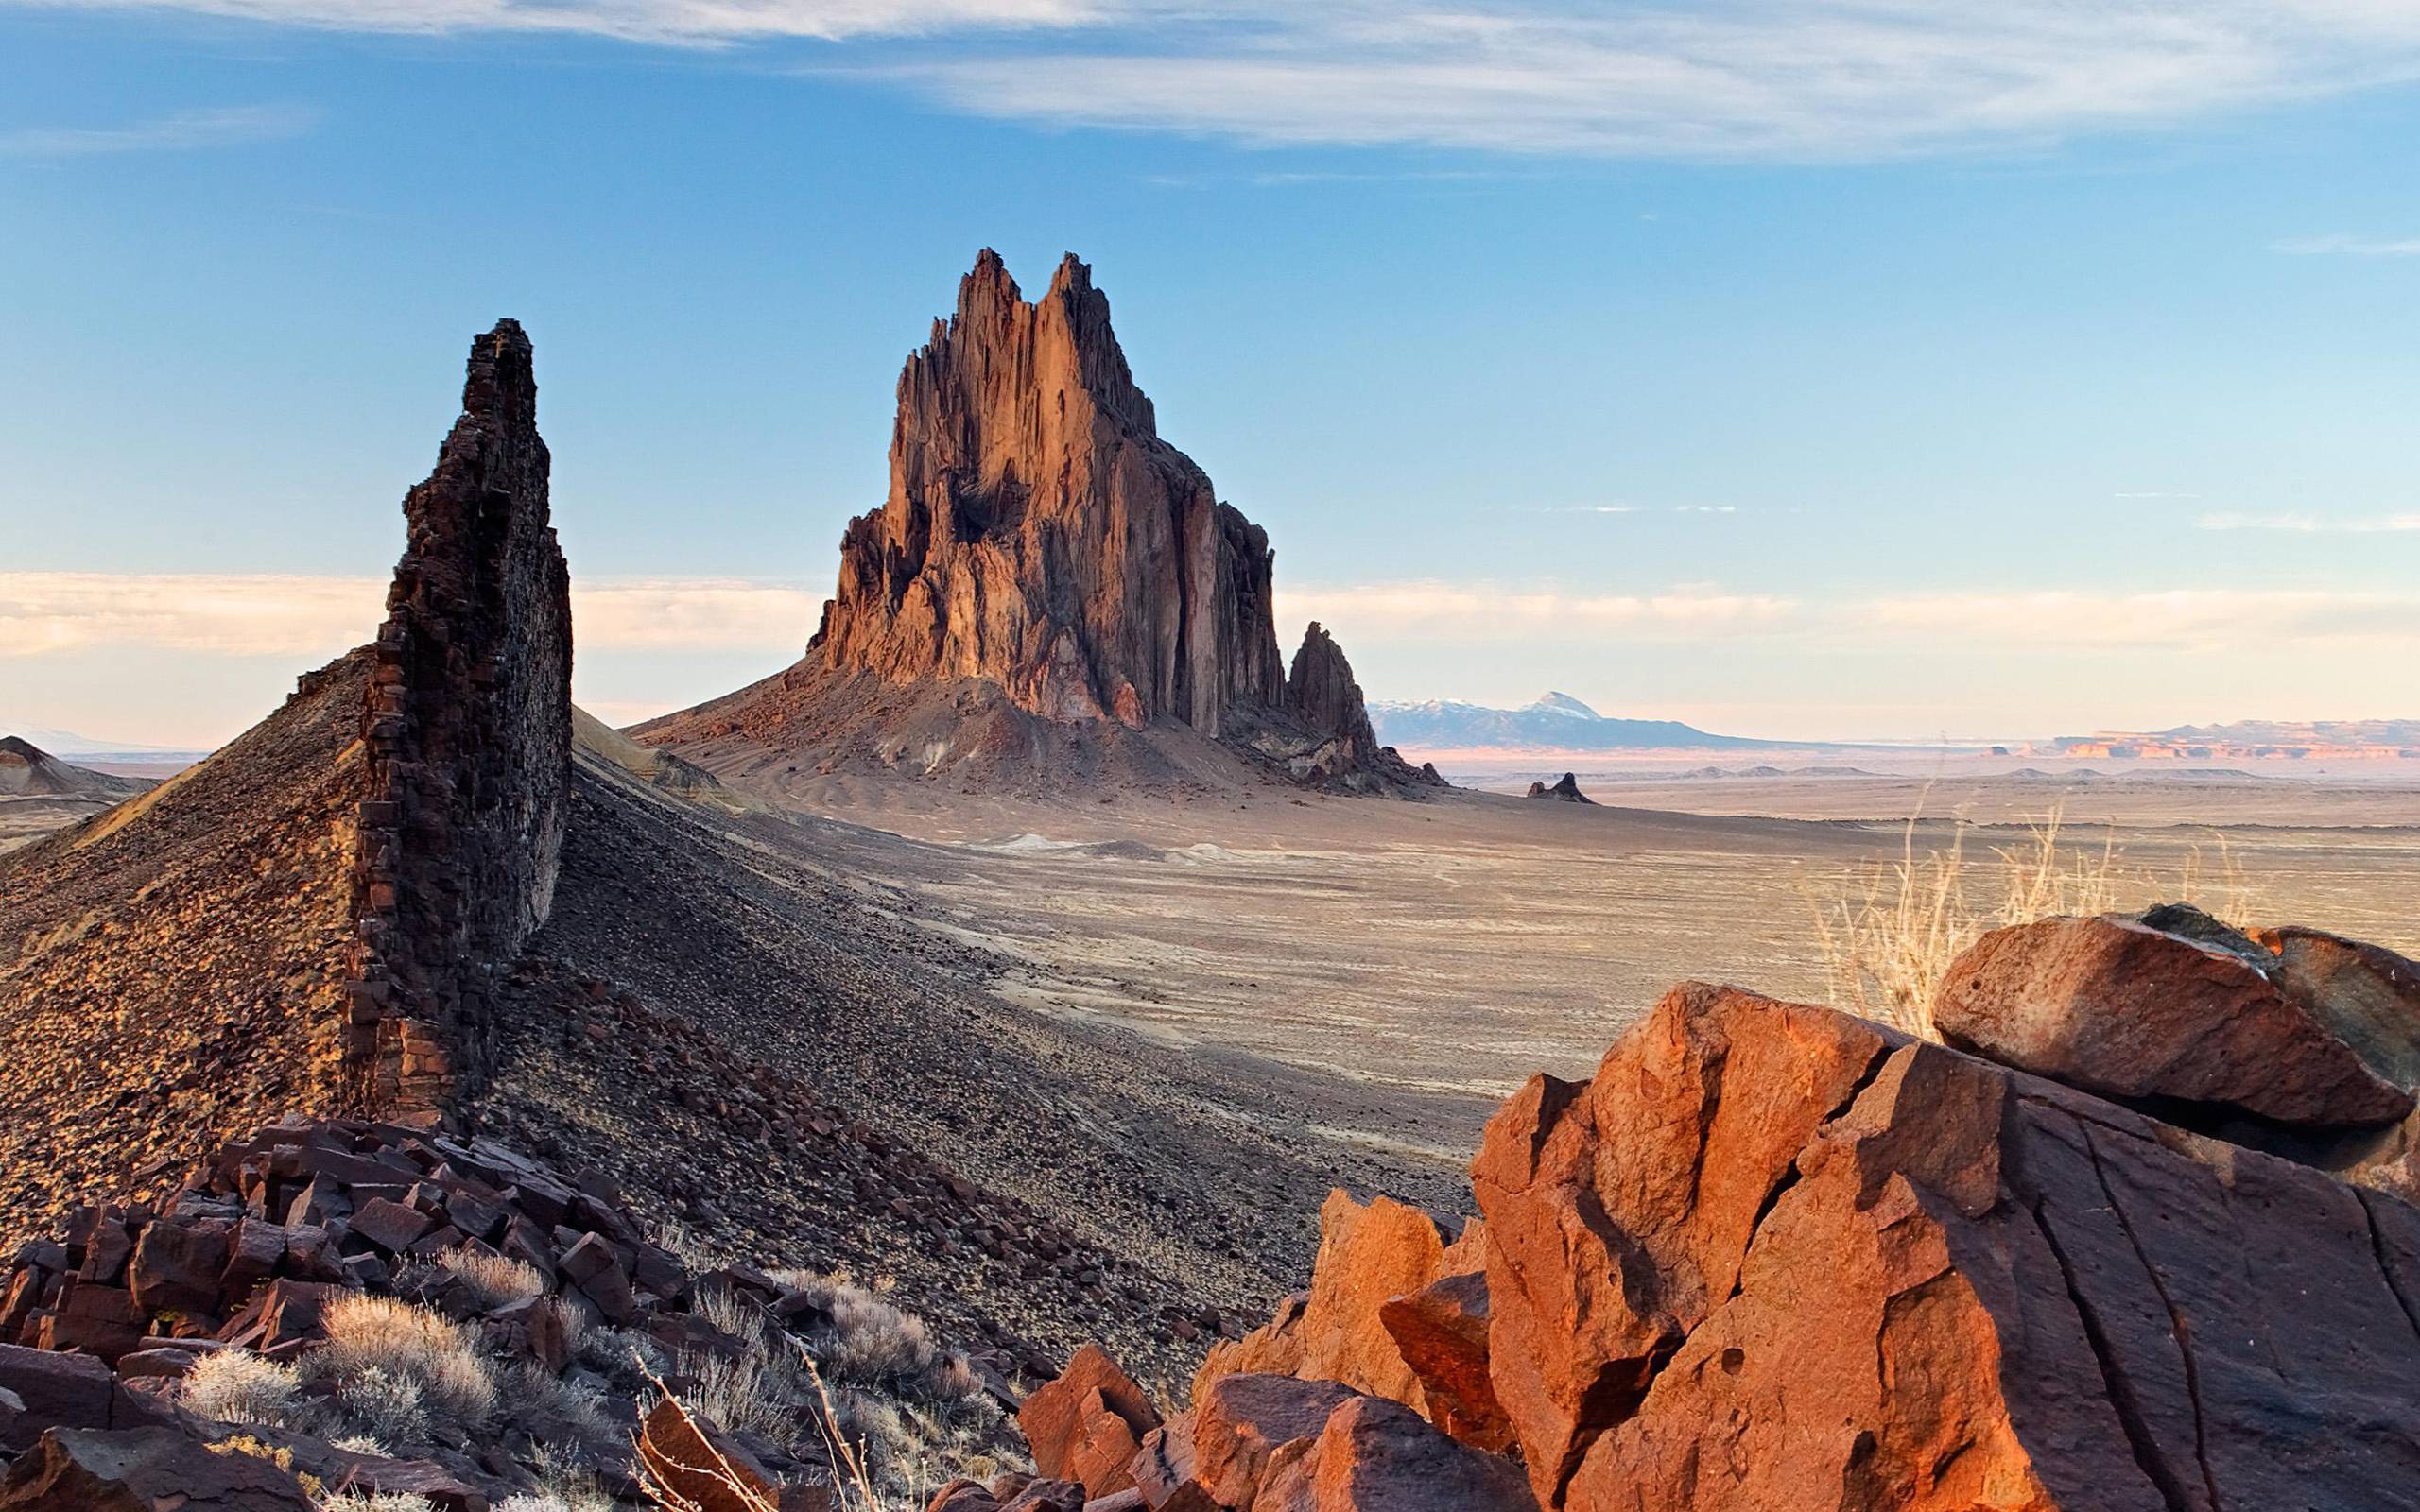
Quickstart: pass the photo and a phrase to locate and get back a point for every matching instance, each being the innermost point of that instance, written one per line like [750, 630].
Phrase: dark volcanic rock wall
[1039, 533]
[468, 727]
[1320, 693]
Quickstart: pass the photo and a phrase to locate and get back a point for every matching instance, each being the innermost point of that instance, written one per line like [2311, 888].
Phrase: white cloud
[2207, 620]
[265, 615]
[2349, 247]
[1433, 611]
[2311, 524]
[687, 23]
[1821, 80]
[185, 130]
[1802, 79]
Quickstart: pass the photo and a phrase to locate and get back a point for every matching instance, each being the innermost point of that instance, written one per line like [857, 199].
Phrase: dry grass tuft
[238, 1386]
[1886, 950]
[491, 1281]
[438, 1359]
[374, 1502]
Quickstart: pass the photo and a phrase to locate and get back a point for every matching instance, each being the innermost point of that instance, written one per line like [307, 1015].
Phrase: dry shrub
[899, 1405]
[437, 1358]
[374, 1502]
[1886, 950]
[490, 1280]
[389, 1407]
[238, 1386]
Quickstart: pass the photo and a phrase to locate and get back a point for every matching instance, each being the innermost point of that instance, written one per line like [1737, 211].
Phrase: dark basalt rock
[1564, 791]
[468, 726]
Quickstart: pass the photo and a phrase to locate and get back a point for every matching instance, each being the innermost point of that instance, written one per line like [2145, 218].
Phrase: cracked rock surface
[1770, 1256]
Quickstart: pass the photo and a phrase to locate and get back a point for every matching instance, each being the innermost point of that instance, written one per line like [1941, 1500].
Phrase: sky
[1801, 368]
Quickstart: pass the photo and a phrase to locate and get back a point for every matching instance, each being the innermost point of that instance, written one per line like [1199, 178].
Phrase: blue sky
[1833, 369]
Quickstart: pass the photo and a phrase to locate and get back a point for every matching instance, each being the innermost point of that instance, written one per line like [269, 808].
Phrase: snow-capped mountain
[1555, 722]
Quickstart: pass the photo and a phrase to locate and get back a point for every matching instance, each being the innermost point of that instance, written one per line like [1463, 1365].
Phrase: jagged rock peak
[468, 727]
[1321, 691]
[1039, 534]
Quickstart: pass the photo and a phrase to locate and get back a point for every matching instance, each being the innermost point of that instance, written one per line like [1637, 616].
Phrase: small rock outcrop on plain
[1046, 575]
[1564, 790]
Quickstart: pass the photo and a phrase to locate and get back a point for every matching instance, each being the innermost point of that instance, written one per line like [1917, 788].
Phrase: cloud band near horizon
[272, 615]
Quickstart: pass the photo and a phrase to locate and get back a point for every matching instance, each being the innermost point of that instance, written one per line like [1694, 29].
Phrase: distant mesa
[1557, 722]
[28, 771]
[1564, 791]
[2251, 739]
[1046, 578]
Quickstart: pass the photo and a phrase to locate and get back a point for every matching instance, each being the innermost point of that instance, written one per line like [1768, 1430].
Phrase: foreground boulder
[1771, 1256]
[1087, 1425]
[150, 1470]
[2174, 1011]
[1374, 1455]
[1441, 1331]
[1285, 1444]
[1393, 1310]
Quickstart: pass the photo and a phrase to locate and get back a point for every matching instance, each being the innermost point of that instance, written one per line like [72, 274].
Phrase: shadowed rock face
[1039, 534]
[1565, 791]
[468, 727]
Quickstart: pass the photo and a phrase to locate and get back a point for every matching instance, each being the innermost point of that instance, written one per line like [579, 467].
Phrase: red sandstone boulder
[2196, 1019]
[1441, 1331]
[1368, 1256]
[1373, 1455]
[1087, 1425]
[1215, 1455]
[151, 1471]
[1619, 1209]
[1274, 1348]
[1772, 1257]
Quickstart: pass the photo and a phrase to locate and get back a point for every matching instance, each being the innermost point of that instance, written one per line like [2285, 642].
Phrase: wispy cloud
[265, 615]
[2312, 523]
[302, 620]
[685, 23]
[2349, 246]
[1496, 612]
[1720, 80]
[184, 131]
[2197, 620]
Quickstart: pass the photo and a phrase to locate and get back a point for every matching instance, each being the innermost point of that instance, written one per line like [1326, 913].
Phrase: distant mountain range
[1555, 722]
[68, 743]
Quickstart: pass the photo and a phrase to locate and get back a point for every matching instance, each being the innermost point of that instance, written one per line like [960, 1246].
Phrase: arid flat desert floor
[1442, 951]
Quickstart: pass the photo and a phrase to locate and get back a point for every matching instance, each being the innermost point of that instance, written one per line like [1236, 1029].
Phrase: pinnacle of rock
[1040, 534]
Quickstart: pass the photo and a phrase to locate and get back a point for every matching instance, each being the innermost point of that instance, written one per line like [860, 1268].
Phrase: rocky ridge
[468, 735]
